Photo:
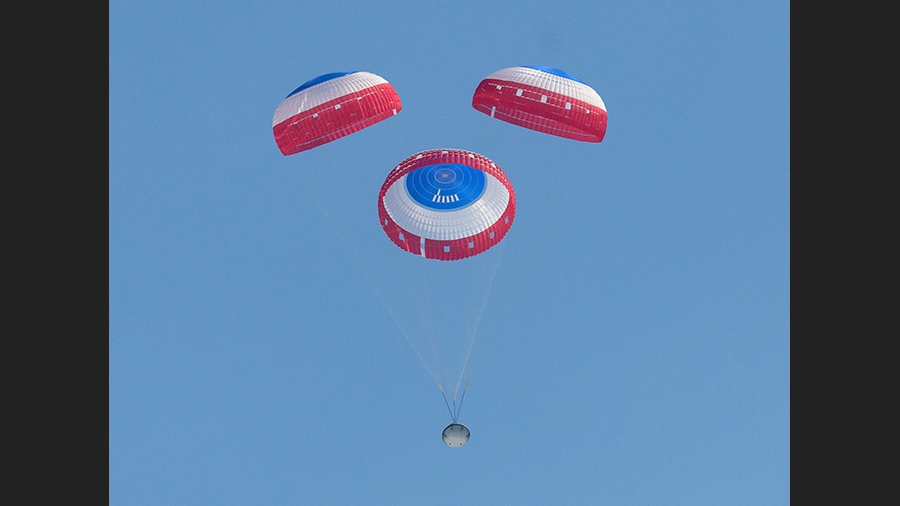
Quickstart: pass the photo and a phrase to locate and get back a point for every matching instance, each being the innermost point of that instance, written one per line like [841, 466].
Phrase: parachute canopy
[446, 204]
[332, 106]
[543, 99]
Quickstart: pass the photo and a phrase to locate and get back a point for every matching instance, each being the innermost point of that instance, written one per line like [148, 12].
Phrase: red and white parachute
[443, 204]
[446, 204]
[332, 106]
[543, 99]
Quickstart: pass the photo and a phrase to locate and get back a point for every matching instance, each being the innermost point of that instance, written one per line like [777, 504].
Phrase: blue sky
[638, 328]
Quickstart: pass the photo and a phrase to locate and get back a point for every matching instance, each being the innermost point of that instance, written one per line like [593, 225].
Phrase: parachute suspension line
[478, 311]
[435, 375]
[423, 306]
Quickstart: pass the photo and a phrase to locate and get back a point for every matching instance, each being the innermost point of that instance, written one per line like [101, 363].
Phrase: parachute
[332, 106]
[446, 204]
[543, 99]
[452, 206]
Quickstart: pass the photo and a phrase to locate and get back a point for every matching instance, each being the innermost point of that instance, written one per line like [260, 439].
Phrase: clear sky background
[639, 321]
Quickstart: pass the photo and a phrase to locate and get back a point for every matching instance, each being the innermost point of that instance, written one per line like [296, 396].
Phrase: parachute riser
[455, 410]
